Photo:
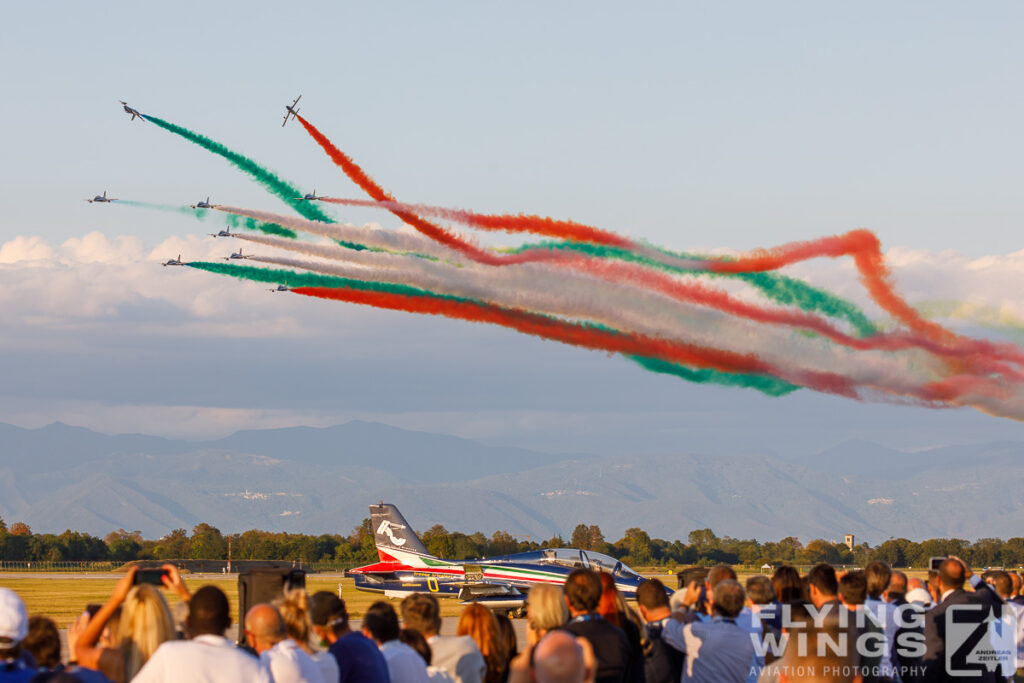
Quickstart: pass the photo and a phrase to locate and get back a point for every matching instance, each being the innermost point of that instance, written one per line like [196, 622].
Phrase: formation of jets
[203, 205]
[499, 583]
[309, 197]
[101, 199]
[133, 112]
[292, 110]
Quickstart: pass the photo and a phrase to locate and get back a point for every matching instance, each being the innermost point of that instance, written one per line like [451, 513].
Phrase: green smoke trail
[780, 288]
[269, 180]
[230, 219]
[766, 385]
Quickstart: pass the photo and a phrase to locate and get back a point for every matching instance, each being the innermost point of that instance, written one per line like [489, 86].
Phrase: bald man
[558, 658]
[279, 654]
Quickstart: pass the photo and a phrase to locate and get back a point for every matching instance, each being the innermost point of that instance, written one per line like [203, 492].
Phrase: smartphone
[92, 608]
[153, 577]
[936, 562]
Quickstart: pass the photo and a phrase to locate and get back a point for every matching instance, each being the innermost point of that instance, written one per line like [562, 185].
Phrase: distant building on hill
[848, 540]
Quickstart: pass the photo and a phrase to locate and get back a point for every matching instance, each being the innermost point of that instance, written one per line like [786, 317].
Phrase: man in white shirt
[458, 655]
[380, 624]
[282, 656]
[208, 657]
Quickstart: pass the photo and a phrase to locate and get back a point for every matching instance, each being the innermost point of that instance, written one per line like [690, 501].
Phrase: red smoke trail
[863, 245]
[578, 335]
[538, 225]
[866, 251]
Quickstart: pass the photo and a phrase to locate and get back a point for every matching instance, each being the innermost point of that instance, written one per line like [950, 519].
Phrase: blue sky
[694, 125]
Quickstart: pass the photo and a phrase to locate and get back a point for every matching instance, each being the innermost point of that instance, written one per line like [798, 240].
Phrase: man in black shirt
[662, 662]
[611, 647]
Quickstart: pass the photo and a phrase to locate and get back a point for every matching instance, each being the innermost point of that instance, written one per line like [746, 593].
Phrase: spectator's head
[507, 635]
[545, 608]
[208, 612]
[264, 627]
[380, 623]
[877, 574]
[13, 624]
[787, 584]
[416, 641]
[914, 583]
[43, 642]
[611, 604]
[1001, 581]
[760, 590]
[478, 623]
[652, 600]
[328, 614]
[582, 591]
[1015, 579]
[558, 658]
[897, 585]
[728, 598]
[146, 622]
[951, 575]
[853, 588]
[822, 584]
[421, 612]
[719, 572]
[294, 611]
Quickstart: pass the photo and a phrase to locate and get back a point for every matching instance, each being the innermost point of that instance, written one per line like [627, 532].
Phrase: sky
[693, 125]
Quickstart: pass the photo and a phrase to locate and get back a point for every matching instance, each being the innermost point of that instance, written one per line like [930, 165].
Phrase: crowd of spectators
[870, 625]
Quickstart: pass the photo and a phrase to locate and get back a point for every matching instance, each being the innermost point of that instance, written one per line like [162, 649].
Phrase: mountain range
[320, 480]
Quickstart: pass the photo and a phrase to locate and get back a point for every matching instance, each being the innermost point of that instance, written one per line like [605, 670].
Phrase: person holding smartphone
[120, 647]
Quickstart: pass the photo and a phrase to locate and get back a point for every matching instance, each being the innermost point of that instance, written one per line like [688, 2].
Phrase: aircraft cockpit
[571, 557]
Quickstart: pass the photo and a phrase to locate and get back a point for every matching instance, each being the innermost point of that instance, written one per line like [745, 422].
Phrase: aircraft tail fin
[392, 533]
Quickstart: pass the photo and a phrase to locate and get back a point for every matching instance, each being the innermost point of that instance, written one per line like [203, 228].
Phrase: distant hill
[321, 480]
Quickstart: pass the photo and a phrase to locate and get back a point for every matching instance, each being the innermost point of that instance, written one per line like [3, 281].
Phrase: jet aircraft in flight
[101, 199]
[292, 111]
[133, 112]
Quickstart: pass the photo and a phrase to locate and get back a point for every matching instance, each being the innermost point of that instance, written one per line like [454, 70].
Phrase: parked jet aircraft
[499, 583]
[175, 262]
[100, 199]
[133, 112]
[291, 110]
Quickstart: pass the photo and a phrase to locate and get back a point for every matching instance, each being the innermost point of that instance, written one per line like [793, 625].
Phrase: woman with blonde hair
[120, 647]
[294, 610]
[545, 610]
[478, 623]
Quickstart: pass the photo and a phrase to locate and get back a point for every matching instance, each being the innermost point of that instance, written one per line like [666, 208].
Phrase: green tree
[580, 537]
[207, 543]
[173, 546]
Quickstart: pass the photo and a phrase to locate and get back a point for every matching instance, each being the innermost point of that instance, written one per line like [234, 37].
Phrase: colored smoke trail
[605, 244]
[231, 220]
[402, 297]
[513, 223]
[280, 188]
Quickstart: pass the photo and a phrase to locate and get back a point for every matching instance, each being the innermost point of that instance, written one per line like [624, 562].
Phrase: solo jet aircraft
[237, 255]
[309, 197]
[175, 261]
[499, 583]
[133, 112]
[222, 233]
[101, 199]
[292, 111]
[203, 205]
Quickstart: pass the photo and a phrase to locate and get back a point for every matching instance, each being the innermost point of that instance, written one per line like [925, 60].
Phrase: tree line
[635, 548]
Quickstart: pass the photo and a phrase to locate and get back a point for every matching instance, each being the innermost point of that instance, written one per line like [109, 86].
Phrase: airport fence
[66, 566]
